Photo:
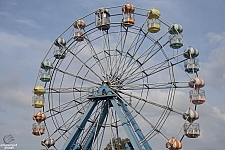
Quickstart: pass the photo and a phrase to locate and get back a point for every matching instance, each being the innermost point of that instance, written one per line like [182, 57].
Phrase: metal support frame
[94, 132]
[126, 126]
[104, 93]
[71, 141]
[135, 125]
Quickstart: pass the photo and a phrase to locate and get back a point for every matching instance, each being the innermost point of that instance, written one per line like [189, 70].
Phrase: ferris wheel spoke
[66, 106]
[115, 56]
[121, 39]
[87, 66]
[160, 85]
[63, 76]
[130, 67]
[119, 49]
[115, 64]
[120, 77]
[76, 47]
[138, 114]
[77, 76]
[138, 41]
[154, 128]
[135, 46]
[106, 54]
[151, 70]
[128, 56]
[95, 57]
[121, 43]
[69, 89]
[63, 128]
[138, 75]
[151, 102]
[147, 54]
[73, 120]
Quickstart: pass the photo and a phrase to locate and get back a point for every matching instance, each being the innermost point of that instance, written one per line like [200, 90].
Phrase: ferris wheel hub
[101, 93]
[106, 82]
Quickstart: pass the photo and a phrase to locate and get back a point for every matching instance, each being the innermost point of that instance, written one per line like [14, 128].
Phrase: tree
[117, 144]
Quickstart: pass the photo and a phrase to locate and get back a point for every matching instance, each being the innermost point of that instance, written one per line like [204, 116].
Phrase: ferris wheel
[114, 74]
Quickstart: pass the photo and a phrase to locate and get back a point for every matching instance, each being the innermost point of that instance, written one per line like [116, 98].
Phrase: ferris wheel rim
[128, 73]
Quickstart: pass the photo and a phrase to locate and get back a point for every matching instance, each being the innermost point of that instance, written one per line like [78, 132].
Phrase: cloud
[212, 120]
[17, 42]
[13, 3]
[28, 22]
[215, 38]
[5, 14]
[21, 57]
[212, 72]
[10, 17]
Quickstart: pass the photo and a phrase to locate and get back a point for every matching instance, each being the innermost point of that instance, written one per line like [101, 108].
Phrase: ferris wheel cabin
[153, 24]
[45, 74]
[197, 98]
[60, 44]
[48, 142]
[79, 25]
[191, 130]
[128, 15]
[38, 129]
[176, 38]
[192, 65]
[38, 100]
[102, 19]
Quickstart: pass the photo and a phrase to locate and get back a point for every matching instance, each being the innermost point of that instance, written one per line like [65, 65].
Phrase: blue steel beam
[126, 126]
[71, 141]
[94, 132]
[135, 125]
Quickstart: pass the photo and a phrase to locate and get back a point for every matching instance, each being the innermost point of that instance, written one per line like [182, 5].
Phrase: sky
[28, 29]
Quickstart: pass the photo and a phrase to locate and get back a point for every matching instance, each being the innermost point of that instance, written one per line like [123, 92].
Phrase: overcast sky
[28, 29]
